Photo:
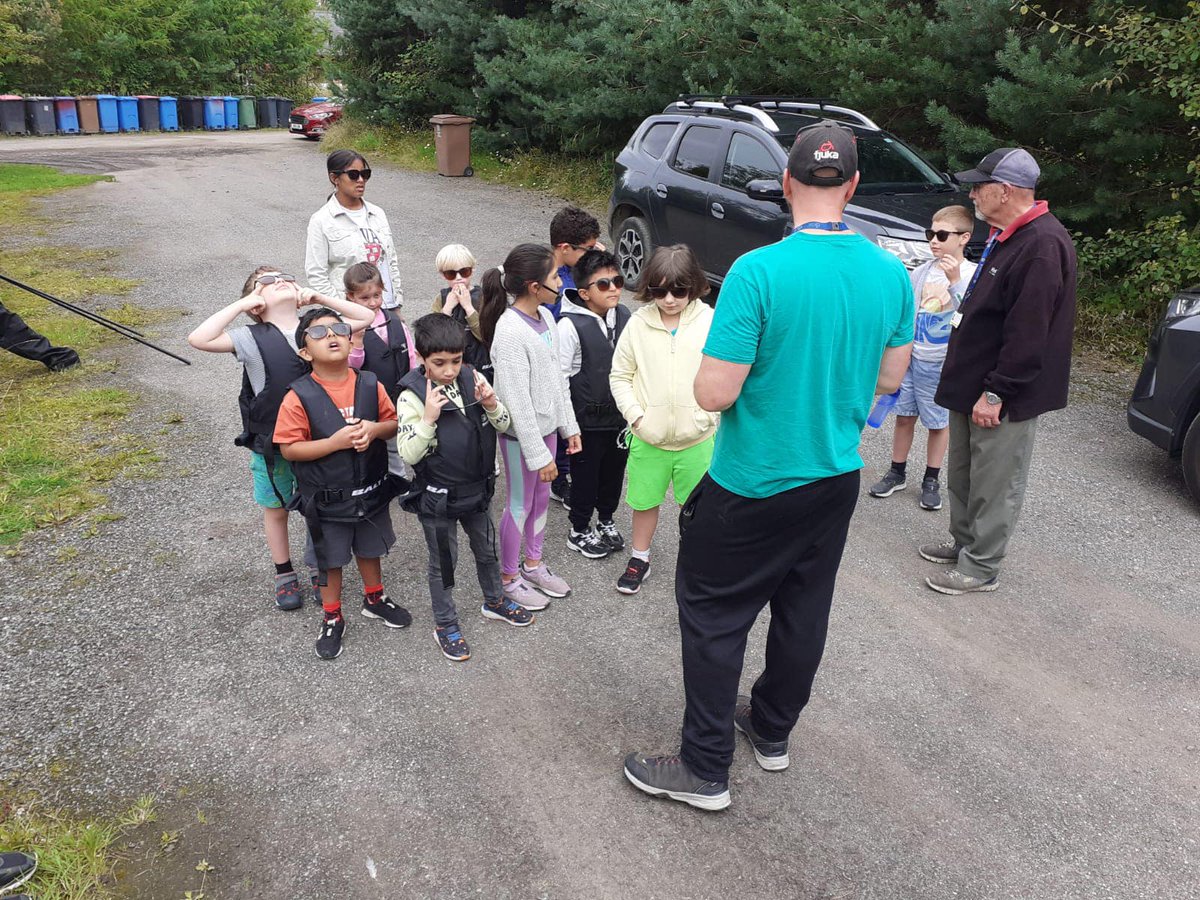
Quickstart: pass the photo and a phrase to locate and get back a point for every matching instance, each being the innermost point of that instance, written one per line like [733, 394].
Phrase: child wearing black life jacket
[592, 321]
[386, 347]
[332, 427]
[460, 300]
[449, 417]
[267, 352]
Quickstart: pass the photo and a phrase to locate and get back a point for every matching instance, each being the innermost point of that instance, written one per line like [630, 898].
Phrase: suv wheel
[1190, 459]
[634, 246]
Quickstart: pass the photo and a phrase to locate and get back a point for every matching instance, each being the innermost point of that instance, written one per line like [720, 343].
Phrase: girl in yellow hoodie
[653, 368]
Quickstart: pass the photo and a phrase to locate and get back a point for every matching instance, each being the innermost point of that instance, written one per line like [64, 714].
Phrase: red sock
[332, 610]
[374, 593]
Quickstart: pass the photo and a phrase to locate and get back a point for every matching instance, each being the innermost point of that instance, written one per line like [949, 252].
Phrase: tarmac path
[1038, 742]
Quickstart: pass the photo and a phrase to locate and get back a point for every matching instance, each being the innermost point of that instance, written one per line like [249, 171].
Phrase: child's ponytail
[493, 300]
[525, 263]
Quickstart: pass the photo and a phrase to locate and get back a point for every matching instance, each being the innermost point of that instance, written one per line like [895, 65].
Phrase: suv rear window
[697, 151]
[657, 137]
[748, 159]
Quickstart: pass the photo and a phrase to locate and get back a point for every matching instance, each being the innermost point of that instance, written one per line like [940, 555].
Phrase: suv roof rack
[756, 107]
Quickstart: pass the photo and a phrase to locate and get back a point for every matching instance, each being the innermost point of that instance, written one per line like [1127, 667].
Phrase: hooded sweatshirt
[653, 373]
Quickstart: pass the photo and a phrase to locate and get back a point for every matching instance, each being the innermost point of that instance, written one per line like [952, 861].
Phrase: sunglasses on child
[271, 279]
[942, 236]
[604, 284]
[682, 291]
[317, 332]
[451, 274]
[355, 174]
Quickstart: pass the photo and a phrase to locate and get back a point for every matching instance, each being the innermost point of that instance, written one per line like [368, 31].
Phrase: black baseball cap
[1012, 165]
[825, 145]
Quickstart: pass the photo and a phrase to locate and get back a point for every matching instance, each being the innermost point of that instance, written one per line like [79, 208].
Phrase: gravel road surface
[1038, 742]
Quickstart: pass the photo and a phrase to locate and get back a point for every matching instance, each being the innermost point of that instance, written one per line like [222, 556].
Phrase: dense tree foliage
[158, 46]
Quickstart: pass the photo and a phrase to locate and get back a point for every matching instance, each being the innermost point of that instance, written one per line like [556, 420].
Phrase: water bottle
[882, 407]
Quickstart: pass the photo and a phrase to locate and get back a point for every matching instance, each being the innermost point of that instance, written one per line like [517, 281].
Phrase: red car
[311, 119]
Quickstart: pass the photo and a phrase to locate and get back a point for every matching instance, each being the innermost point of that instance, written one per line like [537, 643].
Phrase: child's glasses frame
[451, 274]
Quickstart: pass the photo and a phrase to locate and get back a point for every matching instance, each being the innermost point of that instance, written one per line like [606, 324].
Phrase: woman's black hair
[524, 263]
[340, 160]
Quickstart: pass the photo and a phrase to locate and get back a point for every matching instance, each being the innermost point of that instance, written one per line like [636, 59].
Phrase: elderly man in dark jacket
[1009, 361]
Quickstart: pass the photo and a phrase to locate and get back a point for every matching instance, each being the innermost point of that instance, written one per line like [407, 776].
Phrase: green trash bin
[246, 116]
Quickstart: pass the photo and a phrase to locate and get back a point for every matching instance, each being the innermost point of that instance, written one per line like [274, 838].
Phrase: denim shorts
[917, 391]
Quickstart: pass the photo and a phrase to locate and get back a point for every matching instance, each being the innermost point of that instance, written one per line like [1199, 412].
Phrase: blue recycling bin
[231, 112]
[214, 113]
[168, 114]
[106, 105]
[127, 114]
[66, 115]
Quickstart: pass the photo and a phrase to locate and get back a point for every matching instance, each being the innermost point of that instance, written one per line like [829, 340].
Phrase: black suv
[1166, 398]
[707, 172]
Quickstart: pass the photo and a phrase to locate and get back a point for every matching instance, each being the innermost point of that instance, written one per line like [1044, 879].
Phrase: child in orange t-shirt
[332, 428]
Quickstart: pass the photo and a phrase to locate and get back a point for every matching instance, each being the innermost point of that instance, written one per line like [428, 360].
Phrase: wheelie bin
[231, 112]
[89, 114]
[214, 113]
[168, 114]
[147, 107]
[12, 114]
[39, 115]
[283, 110]
[191, 113]
[107, 105]
[452, 144]
[66, 115]
[127, 114]
[266, 112]
[246, 115]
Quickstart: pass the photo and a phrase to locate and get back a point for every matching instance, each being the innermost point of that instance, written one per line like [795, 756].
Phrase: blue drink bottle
[883, 406]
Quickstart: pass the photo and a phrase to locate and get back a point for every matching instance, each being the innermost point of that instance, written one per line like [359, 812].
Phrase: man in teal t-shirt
[807, 331]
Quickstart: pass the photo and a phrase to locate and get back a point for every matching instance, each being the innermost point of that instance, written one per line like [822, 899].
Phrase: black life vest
[346, 485]
[591, 396]
[259, 411]
[388, 361]
[459, 476]
[476, 352]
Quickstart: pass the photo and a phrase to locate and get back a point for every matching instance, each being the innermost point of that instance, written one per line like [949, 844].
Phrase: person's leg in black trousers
[19, 338]
[585, 479]
[737, 555]
[612, 475]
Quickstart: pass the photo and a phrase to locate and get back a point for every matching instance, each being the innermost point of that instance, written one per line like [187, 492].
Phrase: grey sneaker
[891, 482]
[545, 581]
[944, 553]
[771, 755]
[522, 594]
[955, 582]
[669, 776]
[931, 497]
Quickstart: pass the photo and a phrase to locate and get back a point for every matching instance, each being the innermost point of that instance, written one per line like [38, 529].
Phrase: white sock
[643, 555]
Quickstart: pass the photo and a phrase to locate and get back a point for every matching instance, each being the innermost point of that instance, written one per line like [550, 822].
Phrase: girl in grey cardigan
[530, 383]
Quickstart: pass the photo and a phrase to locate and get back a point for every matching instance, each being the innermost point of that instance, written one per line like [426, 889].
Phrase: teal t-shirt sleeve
[738, 321]
[908, 313]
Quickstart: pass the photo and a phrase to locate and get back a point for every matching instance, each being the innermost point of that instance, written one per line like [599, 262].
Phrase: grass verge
[584, 180]
[76, 856]
[58, 433]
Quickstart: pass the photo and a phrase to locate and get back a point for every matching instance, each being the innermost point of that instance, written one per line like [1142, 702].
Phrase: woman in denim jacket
[349, 230]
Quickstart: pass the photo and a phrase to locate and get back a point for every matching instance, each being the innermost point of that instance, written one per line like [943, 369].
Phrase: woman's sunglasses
[340, 329]
[942, 236]
[271, 279]
[451, 274]
[355, 174]
[617, 281]
[682, 291]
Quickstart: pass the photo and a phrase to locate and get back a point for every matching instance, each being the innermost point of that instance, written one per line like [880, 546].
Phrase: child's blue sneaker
[287, 594]
[453, 644]
[507, 611]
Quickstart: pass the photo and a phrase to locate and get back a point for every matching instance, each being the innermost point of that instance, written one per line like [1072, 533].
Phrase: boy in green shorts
[653, 368]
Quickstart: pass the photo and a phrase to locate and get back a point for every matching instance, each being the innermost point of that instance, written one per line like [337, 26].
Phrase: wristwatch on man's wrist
[992, 399]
